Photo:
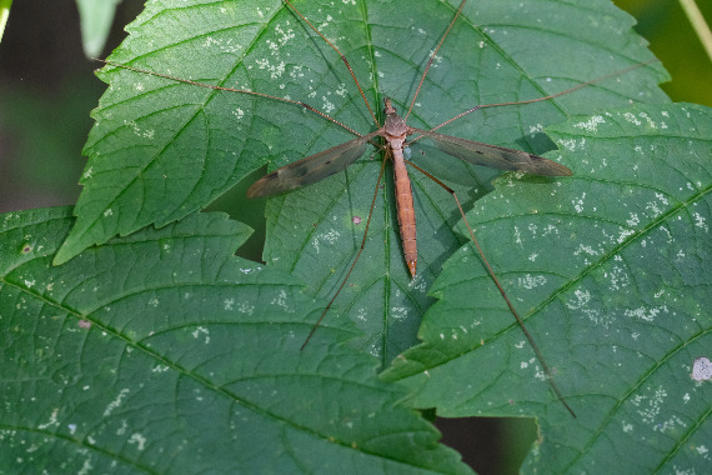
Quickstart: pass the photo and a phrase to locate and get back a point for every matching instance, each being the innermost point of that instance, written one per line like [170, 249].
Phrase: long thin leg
[353, 264]
[539, 99]
[494, 278]
[432, 57]
[232, 89]
[343, 58]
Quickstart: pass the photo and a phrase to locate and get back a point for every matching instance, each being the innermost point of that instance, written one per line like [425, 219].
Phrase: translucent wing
[311, 169]
[493, 156]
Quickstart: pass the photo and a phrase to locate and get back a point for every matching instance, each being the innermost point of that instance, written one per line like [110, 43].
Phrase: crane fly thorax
[395, 128]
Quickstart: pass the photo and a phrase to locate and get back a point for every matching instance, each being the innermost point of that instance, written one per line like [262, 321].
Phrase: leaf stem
[4, 15]
[699, 24]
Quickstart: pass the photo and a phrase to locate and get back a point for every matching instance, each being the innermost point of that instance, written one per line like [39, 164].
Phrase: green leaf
[96, 18]
[4, 15]
[162, 352]
[610, 269]
[161, 149]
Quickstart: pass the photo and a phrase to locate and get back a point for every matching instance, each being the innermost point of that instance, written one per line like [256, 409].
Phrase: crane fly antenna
[493, 276]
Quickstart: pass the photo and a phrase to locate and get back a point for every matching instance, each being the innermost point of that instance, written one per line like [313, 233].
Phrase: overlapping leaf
[163, 353]
[611, 270]
[162, 149]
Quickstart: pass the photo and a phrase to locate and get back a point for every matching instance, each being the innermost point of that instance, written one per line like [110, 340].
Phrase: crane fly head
[388, 109]
[395, 126]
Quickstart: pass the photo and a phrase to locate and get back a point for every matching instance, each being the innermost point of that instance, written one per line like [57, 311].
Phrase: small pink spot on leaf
[84, 324]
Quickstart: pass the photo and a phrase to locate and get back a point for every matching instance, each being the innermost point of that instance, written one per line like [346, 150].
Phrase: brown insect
[395, 133]
[323, 164]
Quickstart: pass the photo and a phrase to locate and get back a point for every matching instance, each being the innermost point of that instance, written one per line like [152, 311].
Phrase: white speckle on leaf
[584, 249]
[281, 299]
[630, 117]
[86, 467]
[53, 421]
[530, 282]
[147, 134]
[578, 203]
[296, 72]
[700, 221]
[341, 90]
[139, 440]
[201, 330]
[572, 144]
[701, 369]
[649, 406]
[275, 71]
[645, 314]
[153, 302]
[284, 36]
[624, 234]
[534, 129]
[669, 424]
[633, 220]
[436, 59]
[618, 278]
[361, 314]
[329, 237]
[582, 297]
[591, 125]
[116, 402]
[327, 106]
[517, 236]
[246, 308]
[627, 427]
[418, 283]
[399, 313]
[108, 212]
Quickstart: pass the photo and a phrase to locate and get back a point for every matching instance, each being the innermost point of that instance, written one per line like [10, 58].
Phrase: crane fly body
[316, 167]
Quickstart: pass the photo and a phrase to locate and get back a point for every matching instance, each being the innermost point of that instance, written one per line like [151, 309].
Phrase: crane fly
[395, 133]
[323, 164]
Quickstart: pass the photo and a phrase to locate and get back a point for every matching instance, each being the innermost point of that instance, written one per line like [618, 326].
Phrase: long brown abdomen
[406, 214]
